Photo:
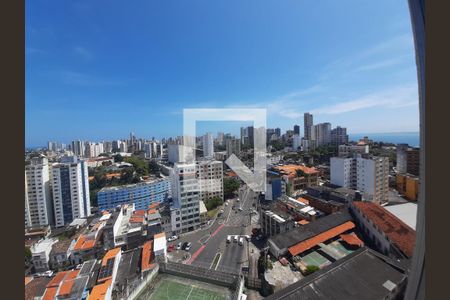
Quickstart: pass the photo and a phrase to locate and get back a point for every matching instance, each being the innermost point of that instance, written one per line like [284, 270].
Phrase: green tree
[230, 185]
[118, 158]
[311, 269]
[27, 254]
[213, 203]
[299, 173]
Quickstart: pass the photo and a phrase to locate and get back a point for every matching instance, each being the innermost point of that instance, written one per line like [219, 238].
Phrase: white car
[48, 273]
[172, 238]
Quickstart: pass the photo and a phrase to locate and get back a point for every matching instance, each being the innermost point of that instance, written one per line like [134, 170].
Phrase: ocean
[410, 138]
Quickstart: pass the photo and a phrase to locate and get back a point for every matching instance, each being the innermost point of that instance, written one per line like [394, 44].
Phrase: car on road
[48, 273]
[241, 241]
[226, 203]
[236, 238]
[229, 239]
[183, 247]
[179, 245]
[171, 248]
[240, 209]
[188, 246]
[172, 238]
[237, 199]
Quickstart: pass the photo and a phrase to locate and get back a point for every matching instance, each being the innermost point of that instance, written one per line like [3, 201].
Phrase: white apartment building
[38, 197]
[350, 150]
[233, 146]
[69, 183]
[185, 210]
[78, 148]
[210, 177]
[208, 145]
[180, 153]
[40, 254]
[368, 175]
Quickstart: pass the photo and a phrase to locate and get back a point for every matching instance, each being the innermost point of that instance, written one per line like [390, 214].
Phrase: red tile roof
[147, 256]
[320, 238]
[57, 279]
[401, 235]
[352, 239]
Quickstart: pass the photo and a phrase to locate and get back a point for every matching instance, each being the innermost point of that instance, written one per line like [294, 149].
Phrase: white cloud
[393, 98]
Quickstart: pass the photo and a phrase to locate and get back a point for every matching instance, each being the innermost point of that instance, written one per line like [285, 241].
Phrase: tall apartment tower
[208, 145]
[339, 136]
[307, 124]
[69, 188]
[233, 146]
[78, 148]
[185, 210]
[210, 177]
[38, 197]
[297, 130]
[368, 175]
[402, 158]
[321, 133]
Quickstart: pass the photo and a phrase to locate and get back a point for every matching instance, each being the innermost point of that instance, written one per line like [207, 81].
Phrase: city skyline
[82, 84]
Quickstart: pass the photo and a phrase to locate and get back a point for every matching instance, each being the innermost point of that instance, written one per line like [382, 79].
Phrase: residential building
[233, 146]
[60, 254]
[387, 233]
[78, 148]
[185, 211]
[180, 153]
[339, 136]
[368, 175]
[69, 185]
[87, 245]
[107, 275]
[296, 142]
[38, 197]
[401, 158]
[210, 179]
[208, 145]
[307, 124]
[275, 186]
[321, 134]
[413, 161]
[338, 194]
[274, 221]
[298, 177]
[408, 185]
[40, 254]
[351, 150]
[142, 194]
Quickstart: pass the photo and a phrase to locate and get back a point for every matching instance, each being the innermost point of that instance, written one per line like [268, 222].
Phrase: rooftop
[36, 287]
[406, 212]
[61, 246]
[128, 266]
[397, 231]
[292, 169]
[343, 279]
[307, 231]
[147, 256]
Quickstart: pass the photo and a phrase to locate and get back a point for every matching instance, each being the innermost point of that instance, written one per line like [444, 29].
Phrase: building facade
[208, 145]
[210, 177]
[350, 150]
[339, 136]
[141, 194]
[368, 175]
[233, 146]
[307, 124]
[38, 198]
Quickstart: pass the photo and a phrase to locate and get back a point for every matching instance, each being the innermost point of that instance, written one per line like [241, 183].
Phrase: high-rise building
[69, 181]
[233, 147]
[210, 177]
[350, 150]
[78, 148]
[180, 153]
[251, 134]
[402, 158]
[413, 161]
[38, 198]
[297, 130]
[208, 145]
[220, 138]
[322, 134]
[278, 131]
[307, 124]
[296, 142]
[339, 136]
[185, 210]
[107, 147]
[368, 175]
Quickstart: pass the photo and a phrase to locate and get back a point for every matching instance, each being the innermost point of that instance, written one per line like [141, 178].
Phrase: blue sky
[97, 70]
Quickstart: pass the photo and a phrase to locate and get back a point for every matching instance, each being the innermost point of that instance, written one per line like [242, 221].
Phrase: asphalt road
[207, 242]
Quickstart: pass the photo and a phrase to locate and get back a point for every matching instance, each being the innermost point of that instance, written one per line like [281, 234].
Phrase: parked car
[79, 266]
[48, 273]
[179, 246]
[188, 246]
[172, 238]
[183, 247]
[229, 239]
[241, 241]
[236, 237]
[171, 248]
